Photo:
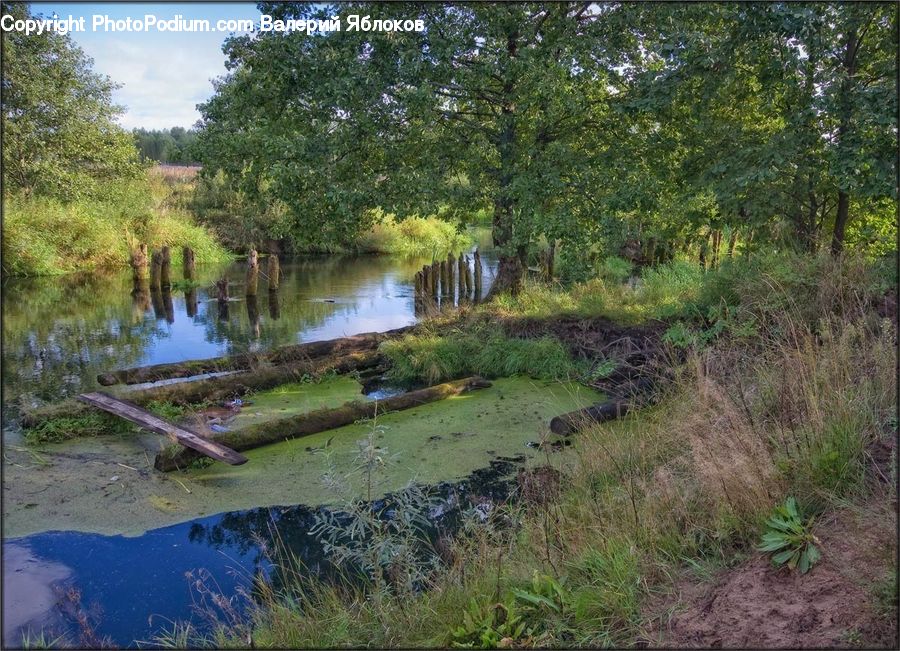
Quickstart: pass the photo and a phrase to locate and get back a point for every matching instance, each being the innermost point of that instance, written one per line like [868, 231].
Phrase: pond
[90, 527]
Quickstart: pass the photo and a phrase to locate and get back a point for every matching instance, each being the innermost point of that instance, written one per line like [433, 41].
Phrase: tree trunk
[843, 206]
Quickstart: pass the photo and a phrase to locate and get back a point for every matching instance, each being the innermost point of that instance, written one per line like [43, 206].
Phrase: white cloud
[161, 82]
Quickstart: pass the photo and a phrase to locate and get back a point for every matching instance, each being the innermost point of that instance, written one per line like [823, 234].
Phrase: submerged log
[180, 435]
[282, 355]
[583, 418]
[215, 389]
[254, 436]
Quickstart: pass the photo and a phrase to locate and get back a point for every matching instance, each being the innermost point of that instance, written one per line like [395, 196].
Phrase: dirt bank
[755, 605]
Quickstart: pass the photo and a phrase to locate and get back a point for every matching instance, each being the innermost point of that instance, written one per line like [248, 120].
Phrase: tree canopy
[59, 130]
[580, 122]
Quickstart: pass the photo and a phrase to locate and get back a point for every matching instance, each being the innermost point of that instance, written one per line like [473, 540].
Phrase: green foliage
[610, 586]
[615, 269]
[46, 236]
[789, 539]
[172, 146]
[413, 236]
[60, 138]
[487, 352]
[489, 627]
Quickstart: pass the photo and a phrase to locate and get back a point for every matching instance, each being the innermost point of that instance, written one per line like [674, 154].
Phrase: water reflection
[59, 333]
[136, 585]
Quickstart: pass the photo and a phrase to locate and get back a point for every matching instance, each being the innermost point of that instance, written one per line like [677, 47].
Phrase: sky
[163, 75]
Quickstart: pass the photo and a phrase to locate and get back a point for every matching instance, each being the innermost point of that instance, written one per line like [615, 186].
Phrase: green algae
[297, 398]
[440, 441]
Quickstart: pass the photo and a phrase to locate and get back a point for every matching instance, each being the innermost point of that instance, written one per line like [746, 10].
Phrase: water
[59, 333]
[132, 589]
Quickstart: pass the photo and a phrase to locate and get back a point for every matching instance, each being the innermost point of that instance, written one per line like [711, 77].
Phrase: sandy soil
[758, 606]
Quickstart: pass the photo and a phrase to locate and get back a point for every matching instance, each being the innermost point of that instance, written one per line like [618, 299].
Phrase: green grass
[431, 358]
[413, 236]
[46, 236]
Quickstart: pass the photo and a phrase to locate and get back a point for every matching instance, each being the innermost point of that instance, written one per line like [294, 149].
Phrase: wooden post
[165, 271]
[222, 290]
[477, 275]
[273, 271]
[159, 306]
[168, 306]
[253, 314]
[451, 268]
[155, 270]
[445, 279]
[252, 272]
[436, 279]
[461, 261]
[139, 263]
[274, 306]
[417, 285]
[187, 260]
[190, 302]
[470, 285]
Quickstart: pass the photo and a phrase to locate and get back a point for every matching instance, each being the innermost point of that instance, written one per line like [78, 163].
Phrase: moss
[440, 441]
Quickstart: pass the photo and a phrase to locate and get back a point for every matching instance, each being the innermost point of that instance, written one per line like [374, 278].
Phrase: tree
[59, 130]
[786, 111]
[490, 106]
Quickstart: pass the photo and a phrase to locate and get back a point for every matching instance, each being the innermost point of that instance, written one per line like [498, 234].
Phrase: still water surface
[59, 333]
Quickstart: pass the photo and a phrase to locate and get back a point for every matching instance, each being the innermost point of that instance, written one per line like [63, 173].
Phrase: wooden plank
[130, 411]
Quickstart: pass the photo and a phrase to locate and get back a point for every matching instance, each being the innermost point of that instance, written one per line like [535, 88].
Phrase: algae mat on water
[440, 441]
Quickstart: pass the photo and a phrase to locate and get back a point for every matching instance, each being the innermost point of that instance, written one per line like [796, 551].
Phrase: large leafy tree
[491, 106]
[59, 130]
[786, 112]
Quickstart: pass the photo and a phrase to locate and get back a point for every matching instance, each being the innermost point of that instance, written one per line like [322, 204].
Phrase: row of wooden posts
[157, 269]
[440, 277]
[152, 274]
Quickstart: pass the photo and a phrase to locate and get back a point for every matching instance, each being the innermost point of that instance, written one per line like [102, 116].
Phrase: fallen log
[214, 389]
[148, 421]
[282, 355]
[583, 418]
[254, 436]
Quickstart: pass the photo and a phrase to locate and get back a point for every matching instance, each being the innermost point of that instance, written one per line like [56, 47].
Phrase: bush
[432, 359]
[46, 236]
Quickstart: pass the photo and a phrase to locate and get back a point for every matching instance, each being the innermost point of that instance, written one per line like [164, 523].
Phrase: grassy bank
[46, 236]
[789, 381]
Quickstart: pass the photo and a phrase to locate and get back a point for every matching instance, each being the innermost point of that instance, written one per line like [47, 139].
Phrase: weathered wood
[583, 418]
[282, 355]
[451, 269]
[222, 290]
[273, 271]
[168, 306]
[470, 285]
[190, 302]
[165, 270]
[252, 273]
[215, 389]
[477, 265]
[275, 431]
[436, 279]
[155, 270]
[148, 421]
[445, 278]
[187, 263]
[139, 263]
[461, 281]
